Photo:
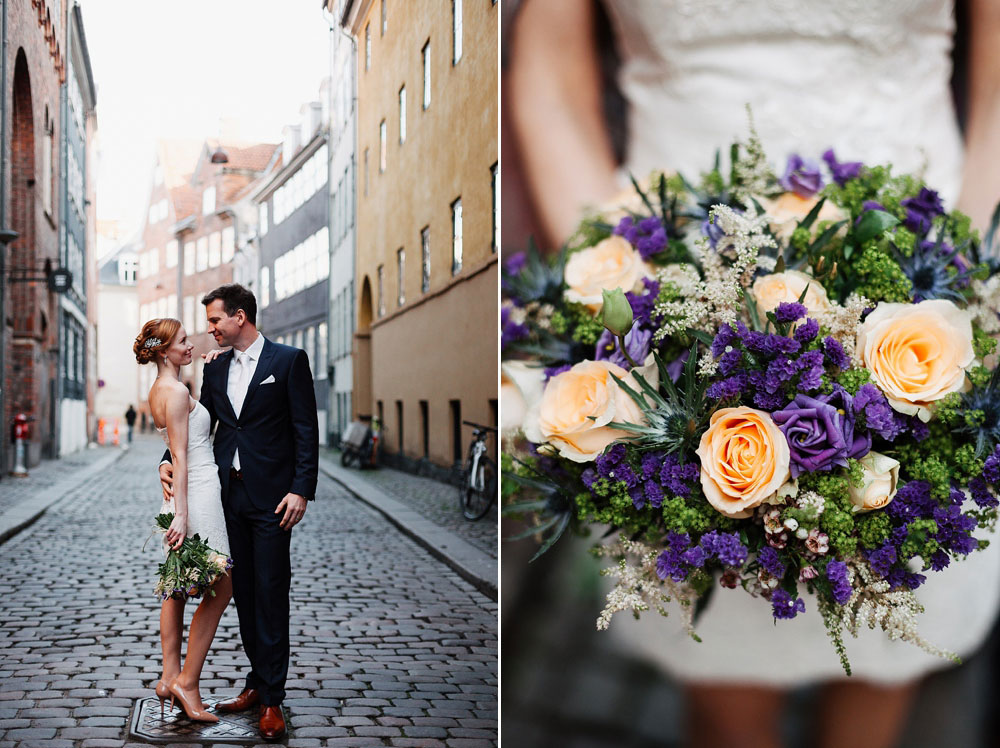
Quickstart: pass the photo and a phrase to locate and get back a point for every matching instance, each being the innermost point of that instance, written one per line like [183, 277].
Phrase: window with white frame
[402, 115]
[381, 146]
[368, 46]
[263, 218]
[265, 287]
[208, 200]
[456, 236]
[172, 305]
[456, 31]
[189, 313]
[425, 259]
[425, 55]
[319, 371]
[401, 276]
[323, 253]
[214, 249]
[143, 265]
[171, 257]
[127, 267]
[381, 286]
[310, 348]
[189, 258]
[228, 243]
[154, 261]
[202, 255]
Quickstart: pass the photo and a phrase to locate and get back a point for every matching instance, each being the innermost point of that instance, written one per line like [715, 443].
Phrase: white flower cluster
[843, 323]
[986, 310]
[717, 299]
[752, 171]
[639, 588]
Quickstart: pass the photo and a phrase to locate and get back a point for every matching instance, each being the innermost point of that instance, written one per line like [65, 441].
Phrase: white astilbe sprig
[874, 603]
[638, 587]
[986, 311]
[753, 174]
[843, 323]
[717, 298]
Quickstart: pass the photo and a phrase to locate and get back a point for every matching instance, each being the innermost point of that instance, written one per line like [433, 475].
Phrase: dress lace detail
[871, 80]
[205, 515]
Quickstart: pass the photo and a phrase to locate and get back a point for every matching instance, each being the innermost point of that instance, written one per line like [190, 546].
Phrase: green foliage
[881, 278]
[837, 519]
[982, 342]
[967, 465]
[918, 540]
[853, 380]
[933, 469]
[873, 529]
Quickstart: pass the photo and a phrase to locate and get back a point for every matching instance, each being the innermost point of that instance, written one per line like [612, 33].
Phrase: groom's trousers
[261, 580]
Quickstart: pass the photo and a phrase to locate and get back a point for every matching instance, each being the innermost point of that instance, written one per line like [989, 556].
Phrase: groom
[267, 448]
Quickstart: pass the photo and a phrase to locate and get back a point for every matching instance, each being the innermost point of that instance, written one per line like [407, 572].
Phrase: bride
[870, 80]
[196, 506]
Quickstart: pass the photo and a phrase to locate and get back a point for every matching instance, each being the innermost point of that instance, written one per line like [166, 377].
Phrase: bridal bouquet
[191, 570]
[781, 384]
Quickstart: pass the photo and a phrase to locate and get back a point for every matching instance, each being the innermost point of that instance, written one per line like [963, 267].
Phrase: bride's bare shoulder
[167, 396]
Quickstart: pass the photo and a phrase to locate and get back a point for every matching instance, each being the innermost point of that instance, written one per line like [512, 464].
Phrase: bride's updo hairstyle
[155, 337]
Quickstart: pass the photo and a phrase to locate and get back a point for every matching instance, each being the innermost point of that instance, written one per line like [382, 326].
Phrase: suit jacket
[277, 431]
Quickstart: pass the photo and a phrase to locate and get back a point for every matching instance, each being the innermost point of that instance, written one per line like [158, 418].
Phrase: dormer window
[208, 201]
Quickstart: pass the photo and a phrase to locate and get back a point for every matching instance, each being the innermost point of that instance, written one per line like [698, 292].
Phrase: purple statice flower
[726, 547]
[608, 461]
[820, 432]
[767, 401]
[981, 493]
[643, 303]
[879, 415]
[913, 580]
[725, 338]
[784, 606]
[730, 361]
[836, 572]
[554, 371]
[648, 235]
[802, 176]
[807, 331]
[918, 429]
[727, 388]
[510, 331]
[588, 477]
[835, 353]
[637, 342]
[939, 560]
[651, 463]
[670, 562]
[779, 372]
[841, 171]
[790, 312]
[677, 478]
[695, 555]
[810, 364]
[514, 263]
[654, 493]
[921, 210]
[769, 560]
[882, 559]
[991, 467]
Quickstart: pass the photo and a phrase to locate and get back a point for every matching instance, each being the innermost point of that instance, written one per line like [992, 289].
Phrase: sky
[174, 69]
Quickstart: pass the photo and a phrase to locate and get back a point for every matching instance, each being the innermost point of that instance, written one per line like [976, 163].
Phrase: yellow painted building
[425, 350]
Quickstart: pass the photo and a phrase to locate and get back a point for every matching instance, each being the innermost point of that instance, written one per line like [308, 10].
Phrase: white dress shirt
[241, 371]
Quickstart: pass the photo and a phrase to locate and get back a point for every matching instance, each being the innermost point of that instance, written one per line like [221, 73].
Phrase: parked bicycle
[478, 489]
[359, 443]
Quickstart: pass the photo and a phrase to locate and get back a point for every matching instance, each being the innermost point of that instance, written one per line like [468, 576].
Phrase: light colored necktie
[242, 383]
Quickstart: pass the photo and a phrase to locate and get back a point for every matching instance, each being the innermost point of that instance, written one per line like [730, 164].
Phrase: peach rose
[771, 290]
[744, 460]
[576, 408]
[786, 210]
[917, 353]
[878, 486]
[612, 264]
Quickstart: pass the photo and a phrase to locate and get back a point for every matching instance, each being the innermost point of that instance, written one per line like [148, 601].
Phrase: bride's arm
[553, 94]
[177, 433]
[981, 180]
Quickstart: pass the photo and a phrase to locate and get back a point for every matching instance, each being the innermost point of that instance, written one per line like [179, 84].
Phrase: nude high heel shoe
[177, 693]
[162, 693]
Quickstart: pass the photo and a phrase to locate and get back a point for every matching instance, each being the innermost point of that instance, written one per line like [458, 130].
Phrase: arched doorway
[362, 354]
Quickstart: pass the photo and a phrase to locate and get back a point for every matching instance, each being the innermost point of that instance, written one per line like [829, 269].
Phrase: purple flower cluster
[841, 171]
[921, 210]
[979, 486]
[510, 331]
[776, 373]
[820, 432]
[643, 303]
[784, 606]
[802, 176]
[680, 557]
[836, 572]
[637, 343]
[768, 558]
[657, 472]
[878, 415]
[648, 235]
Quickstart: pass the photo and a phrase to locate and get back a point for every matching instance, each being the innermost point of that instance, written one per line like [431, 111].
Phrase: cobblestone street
[389, 646]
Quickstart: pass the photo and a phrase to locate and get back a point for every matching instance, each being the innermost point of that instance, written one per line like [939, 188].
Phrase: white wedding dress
[204, 493]
[870, 79]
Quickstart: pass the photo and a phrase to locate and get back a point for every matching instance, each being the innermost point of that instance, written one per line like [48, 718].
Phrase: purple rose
[637, 342]
[820, 432]
[802, 176]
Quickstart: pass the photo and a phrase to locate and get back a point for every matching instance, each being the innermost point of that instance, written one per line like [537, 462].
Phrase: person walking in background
[130, 415]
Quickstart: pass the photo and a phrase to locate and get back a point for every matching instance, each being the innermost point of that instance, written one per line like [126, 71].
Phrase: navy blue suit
[278, 438]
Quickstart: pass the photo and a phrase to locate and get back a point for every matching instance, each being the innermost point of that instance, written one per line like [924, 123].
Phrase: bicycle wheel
[347, 456]
[478, 495]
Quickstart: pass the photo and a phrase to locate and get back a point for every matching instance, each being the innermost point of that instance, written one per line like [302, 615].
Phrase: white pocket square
[269, 380]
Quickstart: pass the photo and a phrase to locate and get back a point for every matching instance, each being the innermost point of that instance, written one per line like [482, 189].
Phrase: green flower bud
[616, 312]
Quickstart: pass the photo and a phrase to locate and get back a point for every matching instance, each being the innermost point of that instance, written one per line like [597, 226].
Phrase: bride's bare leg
[863, 715]
[723, 716]
[171, 632]
[203, 626]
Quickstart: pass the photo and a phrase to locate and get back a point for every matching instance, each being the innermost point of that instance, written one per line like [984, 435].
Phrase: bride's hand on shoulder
[213, 354]
[176, 532]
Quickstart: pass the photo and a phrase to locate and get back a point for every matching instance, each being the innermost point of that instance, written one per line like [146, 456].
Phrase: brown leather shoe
[249, 698]
[272, 723]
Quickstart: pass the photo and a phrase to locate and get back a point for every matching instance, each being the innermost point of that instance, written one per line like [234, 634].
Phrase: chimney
[291, 141]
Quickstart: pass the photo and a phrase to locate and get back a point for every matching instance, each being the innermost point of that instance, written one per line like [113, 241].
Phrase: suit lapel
[262, 370]
[223, 382]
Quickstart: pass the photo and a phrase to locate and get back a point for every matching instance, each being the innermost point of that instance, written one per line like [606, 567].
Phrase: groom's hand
[167, 480]
[294, 506]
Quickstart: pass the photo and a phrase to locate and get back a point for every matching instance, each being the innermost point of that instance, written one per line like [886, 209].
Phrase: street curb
[465, 559]
[25, 514]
